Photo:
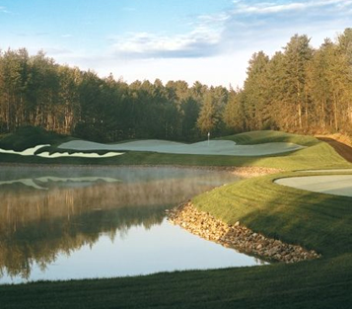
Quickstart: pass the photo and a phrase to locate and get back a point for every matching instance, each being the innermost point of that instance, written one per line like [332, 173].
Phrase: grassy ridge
[270, 136]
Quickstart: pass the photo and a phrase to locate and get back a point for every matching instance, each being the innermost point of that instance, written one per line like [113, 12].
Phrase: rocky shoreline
[237, 236]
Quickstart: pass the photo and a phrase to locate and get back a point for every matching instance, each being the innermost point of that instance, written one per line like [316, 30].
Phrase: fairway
[213, 147]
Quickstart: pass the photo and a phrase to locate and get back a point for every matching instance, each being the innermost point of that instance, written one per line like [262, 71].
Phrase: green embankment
[317, 154]
[321, 222]
[316, 221]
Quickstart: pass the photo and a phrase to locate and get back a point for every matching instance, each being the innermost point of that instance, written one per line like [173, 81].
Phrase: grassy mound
[269, 136]
[28, 136]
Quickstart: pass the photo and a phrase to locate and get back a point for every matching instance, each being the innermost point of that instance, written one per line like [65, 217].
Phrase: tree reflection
[38, 225]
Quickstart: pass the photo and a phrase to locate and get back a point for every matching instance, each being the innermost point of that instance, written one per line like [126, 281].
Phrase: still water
[60, 223]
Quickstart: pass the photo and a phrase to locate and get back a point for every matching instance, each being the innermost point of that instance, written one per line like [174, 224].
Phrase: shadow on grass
[320, 221]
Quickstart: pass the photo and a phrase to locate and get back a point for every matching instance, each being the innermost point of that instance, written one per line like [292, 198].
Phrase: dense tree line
[299, 89]
[36, 91]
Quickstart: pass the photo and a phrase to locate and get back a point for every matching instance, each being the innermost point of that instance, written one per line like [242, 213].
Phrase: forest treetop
[298, 89]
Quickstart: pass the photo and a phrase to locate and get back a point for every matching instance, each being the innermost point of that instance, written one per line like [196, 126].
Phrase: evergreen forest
[298, 89]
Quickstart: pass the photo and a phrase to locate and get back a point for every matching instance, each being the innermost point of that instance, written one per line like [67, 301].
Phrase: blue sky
[206, 40]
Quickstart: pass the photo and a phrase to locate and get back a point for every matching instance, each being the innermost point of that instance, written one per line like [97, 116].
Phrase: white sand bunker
[214, 147]
[26, 152]
[31, 152]
[334, 184]
[78, 155]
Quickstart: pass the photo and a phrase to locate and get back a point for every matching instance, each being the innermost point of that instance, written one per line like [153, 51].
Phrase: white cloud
[243, 24]
[66, 36]
[4, 10]
[221, 17]
[216, 49]
[129, 9]
[201, 42]
[57, 51]
[270, 7]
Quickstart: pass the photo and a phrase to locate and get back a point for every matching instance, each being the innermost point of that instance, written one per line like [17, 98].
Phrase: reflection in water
[36, 183]
[68, 209]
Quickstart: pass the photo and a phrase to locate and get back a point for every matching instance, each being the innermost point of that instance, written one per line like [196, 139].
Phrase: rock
[236, 236]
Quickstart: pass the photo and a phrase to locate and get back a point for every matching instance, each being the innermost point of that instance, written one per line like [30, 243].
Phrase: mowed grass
[270, 136]
[317, 155]
[322, 284]
[315, 221]
[322, 222]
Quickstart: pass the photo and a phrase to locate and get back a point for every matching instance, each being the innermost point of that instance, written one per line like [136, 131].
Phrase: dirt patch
[342, 149]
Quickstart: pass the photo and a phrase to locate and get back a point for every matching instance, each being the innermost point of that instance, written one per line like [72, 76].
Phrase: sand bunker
[78, 155]
[26, 152]
[214, 147]
[334, 184]
[31, 152]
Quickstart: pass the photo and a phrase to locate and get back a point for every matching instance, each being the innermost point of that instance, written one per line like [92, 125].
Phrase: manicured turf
[315, 221]
[213, 147]
[314, 157]
[330, 184]
[317, 155]
[269, 136]
[320, 284]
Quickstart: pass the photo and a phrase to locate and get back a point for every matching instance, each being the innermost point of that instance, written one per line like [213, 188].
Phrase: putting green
[333, 184]
[214, 147]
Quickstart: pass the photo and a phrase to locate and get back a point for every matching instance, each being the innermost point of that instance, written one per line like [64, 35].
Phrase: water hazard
[60, 223]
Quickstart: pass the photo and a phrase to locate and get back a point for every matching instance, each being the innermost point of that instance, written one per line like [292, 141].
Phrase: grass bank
[322, 222]
[316, 221]
[320, 284]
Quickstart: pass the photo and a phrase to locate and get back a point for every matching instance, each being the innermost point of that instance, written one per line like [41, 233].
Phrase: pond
[61, 223]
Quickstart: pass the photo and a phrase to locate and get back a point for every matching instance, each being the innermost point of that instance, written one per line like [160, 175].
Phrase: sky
[210, 41]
